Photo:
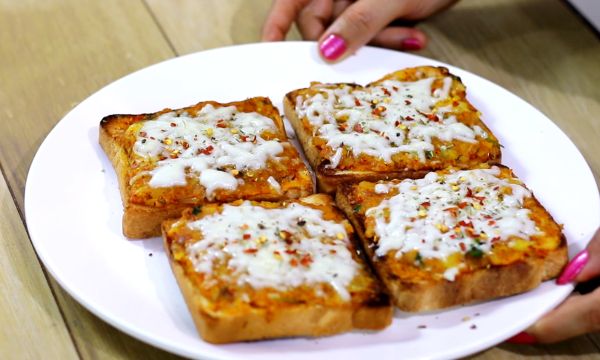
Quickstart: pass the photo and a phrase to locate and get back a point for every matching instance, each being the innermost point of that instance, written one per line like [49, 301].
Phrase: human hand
[579, 314]
[343, 26]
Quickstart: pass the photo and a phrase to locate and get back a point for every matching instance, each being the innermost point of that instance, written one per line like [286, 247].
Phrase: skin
[579, 314]
[357, 22]
[364, 22]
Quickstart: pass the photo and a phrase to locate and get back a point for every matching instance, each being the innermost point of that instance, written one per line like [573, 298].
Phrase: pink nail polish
[522, 338]
[332, 47]
[411, 44]
[573, 268]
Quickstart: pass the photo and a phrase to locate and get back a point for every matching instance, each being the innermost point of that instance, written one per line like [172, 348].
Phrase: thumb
[579, 314]
[356, 26]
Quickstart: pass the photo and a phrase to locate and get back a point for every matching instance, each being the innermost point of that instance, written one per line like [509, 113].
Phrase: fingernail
[332, 47]
[522, 338]
[411, 44]
[573, 268]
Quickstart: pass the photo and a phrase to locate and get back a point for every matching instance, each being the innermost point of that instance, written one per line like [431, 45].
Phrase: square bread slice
[261, 270]
[455, 236]
[405, 125]
[209, 152]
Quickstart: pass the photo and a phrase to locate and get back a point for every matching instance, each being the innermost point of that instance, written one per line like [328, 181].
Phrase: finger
[579, 314]
[357, 25]
[339, 6]
[314, 18]
[400, 38]
[592, 268]
[282, 15]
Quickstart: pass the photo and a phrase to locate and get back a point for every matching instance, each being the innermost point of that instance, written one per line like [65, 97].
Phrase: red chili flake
[243, 138]
[395, 88]
[465, 223]
[469, 192]
[162, 157]
[452, 236]
[290, 251]
[143, 134]
[496, 188]
[455, 103]
[378, 111]
[294, 262]
[486, 216]
[462, 245]
[397, 123]
[173, 124]
[246, 236]
[386, 92]
[174, 155]
[306, 260]
[433, 117]
[250, 250]
[342, 127]
[358, 128]
[185, 145]
[462, 205]
[332, 251]
[426, 204]
[495, 239]
[357, 102]
[407, 102]
[491, 223]
[152, 138]
[207, 150]
[409, 118]
[453, 211]
[276, 252]
[221, 124]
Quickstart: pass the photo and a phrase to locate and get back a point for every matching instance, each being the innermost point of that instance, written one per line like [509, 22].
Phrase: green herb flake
[475, 252]
[357, 208]
[196, 210]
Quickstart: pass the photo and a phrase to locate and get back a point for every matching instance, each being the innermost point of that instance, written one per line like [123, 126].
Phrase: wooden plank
[55, 54]
[195, 25]
[32, 326]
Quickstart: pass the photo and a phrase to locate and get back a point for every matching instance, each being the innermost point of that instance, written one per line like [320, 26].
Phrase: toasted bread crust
[144, 211]
[275, 321]
[360, 169]
[481, 284]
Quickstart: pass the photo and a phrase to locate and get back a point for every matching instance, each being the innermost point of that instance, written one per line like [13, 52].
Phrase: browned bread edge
[483, 284]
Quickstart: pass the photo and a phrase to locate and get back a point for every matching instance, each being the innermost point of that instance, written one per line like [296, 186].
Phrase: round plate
[74, 210]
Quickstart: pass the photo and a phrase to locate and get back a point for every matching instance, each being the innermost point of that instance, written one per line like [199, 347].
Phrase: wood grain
[29, 313]
[55, 54]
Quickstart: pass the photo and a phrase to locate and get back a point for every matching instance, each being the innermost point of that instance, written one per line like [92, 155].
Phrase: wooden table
[54, 54]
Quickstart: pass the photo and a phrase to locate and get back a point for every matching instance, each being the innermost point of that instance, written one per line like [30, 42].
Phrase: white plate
[74, 210]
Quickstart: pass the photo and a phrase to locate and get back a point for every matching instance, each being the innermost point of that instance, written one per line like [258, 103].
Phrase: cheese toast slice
[260, 270]
[455, 236]
[209, 152]
[405, 125]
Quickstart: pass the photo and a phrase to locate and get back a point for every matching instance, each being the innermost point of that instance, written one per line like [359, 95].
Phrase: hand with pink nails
[579, 314]
[343, 26]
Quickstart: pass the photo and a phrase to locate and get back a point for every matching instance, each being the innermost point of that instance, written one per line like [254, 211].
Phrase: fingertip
[332, 47]
[401, 38]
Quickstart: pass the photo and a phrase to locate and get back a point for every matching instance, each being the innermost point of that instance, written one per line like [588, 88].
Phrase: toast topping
[202, 145]
[386, 119]
[464, 211]
[279, 248]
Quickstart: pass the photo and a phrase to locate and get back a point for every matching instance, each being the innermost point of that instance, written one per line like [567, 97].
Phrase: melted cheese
[384, 120]
[278, 248]
[203, 145]
[460, 212]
